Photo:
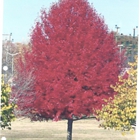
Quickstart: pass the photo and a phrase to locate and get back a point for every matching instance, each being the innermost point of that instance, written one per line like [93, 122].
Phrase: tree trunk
[69, 129]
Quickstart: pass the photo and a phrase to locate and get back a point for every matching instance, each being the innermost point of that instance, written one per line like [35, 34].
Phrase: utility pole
[12, 61]
[117, 30]
[7, 43]
[134, 31]
[134, 43]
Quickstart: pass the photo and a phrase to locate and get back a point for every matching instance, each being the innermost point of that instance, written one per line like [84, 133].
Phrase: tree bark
[69, 129]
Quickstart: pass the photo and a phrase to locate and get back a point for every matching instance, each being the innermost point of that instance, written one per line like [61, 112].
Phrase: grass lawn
[24, 129]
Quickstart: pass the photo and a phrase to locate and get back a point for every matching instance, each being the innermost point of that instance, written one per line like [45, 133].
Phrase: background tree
[129, 44]
[120, 113]
[73, 60]
[7, 108]
[7, 47]
[10, 52]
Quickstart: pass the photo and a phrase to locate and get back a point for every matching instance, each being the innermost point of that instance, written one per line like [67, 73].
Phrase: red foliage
[75, 60]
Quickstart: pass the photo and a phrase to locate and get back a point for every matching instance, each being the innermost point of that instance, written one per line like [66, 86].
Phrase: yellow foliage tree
[120, 113]
[6, 112]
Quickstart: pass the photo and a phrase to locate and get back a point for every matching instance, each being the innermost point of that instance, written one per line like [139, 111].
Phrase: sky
[19, 15]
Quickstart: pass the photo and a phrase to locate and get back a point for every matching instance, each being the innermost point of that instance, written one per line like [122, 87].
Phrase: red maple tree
[73, 60]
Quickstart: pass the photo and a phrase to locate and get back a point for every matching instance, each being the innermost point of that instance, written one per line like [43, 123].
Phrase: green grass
[24, 129]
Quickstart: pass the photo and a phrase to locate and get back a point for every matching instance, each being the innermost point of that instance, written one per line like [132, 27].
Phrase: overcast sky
[19, 15]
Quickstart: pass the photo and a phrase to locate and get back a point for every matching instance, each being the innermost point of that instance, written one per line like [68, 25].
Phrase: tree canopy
[120, 113]
[7, 108]
[73, 60]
